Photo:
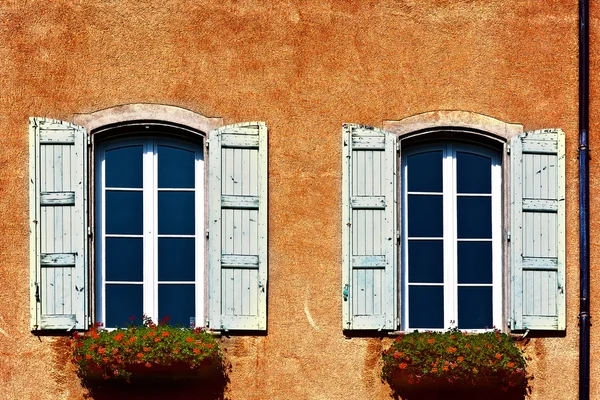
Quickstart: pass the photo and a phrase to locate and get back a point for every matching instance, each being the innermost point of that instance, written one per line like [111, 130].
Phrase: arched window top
[450, 120]
[131, 113]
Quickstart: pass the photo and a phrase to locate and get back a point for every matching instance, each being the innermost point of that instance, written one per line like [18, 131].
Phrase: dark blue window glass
[175, 167]
[473, 173]
[124, 212]
[176, 259]
[474, 262]
[123, 303]
[474, 307]
[426, 307]
[474, 217]
[426, 261]
[176, 214]
[425, 216]
[124, 259]
[425, 172]
[177, 302]
[123, 167]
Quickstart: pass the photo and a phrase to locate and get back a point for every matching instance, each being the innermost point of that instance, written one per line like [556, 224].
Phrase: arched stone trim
[469, 121]
[147, 112]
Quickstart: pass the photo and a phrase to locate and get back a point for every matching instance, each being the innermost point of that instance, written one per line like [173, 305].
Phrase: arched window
[149, 229]
[451, 236]
[159, 223]
[452, 219]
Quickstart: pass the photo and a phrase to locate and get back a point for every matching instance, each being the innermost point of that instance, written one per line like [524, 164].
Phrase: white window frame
[150, 224]
[450, 275]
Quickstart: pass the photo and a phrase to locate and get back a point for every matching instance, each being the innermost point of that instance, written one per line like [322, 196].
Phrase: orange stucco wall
[305, 68]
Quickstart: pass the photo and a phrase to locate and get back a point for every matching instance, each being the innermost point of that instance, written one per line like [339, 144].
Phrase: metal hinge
[346, 292]
[398, 146]
[507, 148]
[206, 142]
[206, 233]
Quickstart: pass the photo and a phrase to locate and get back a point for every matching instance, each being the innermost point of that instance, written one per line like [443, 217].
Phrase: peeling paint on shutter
[538, 230]
[369, 242]
[238, 227]
[58, 225]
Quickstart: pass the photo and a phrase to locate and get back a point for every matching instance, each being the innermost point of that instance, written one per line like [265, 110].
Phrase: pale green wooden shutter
[237, 227]
[538, 230]
[58, 225]
[369, 230]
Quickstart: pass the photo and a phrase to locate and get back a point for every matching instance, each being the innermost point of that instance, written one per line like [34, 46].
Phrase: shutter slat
[369, 229]
[57, 259]
[244, 202]
[371, 202]
[538, 231]
[238, 227]
[57, 198]
[58, 209]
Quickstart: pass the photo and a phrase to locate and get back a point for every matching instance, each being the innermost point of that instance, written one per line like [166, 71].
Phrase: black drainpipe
[584, 203]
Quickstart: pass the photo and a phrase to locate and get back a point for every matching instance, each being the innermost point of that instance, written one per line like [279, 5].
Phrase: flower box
[455, 362]
[148, 351]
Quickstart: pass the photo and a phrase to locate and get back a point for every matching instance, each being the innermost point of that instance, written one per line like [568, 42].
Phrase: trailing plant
[455, 357]
[113, 351]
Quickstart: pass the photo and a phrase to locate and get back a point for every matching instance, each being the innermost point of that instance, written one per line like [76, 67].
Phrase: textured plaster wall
[305, 68]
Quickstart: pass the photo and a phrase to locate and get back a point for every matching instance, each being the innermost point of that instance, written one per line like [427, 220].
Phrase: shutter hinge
[346, 292]
[89, 140]
[89, 320]
[89, 231]
[206, 233]
[508, 236]
[206, 142]
[37, 293]
[507, 148]
[398, 236]
[398, 146]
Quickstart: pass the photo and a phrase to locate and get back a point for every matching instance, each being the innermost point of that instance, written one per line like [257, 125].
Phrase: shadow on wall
[208, 388]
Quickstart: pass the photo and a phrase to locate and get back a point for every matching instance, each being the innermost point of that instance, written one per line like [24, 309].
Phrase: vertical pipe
[584, 204]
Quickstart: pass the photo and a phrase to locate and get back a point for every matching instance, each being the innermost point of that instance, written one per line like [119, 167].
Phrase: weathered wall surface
[304, 68]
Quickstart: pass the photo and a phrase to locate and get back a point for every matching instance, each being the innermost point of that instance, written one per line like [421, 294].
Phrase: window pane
[425, 216]
[426, 307]
[474, 217]
[123, 302]
[473, 173]
[176, 213]
[425, 172]
[177, 302]
[124, 212]
[474, 262]
[426, 261]
[124, 259]
[123, 167]
[175, 167]
[474, 307]
[176, 259]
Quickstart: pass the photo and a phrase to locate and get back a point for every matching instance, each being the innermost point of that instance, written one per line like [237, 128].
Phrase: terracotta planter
[490, 387]
[175, 371]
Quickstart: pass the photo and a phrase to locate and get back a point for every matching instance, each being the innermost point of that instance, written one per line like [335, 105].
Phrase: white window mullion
[150, 306]
[100, 238]
[496, 243]
[449, 217]
[200, 237]
[404, 236]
